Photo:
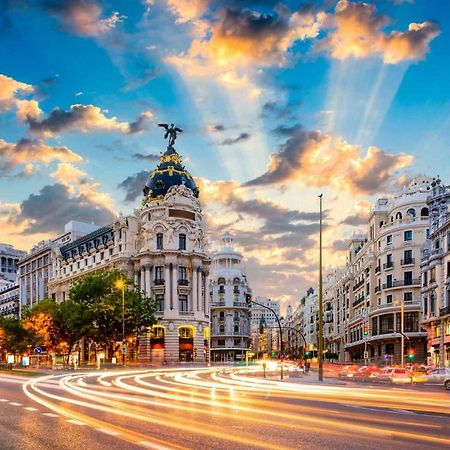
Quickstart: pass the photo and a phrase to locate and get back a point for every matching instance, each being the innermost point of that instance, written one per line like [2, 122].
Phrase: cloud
[215, 127]
[357, 32]
[54, 206]
[319, 159]
[187, 10]
[133, 185]
[82, 17]
[28, 151]
[149, 158]
[10, 90]
[340, 245]
[236, 140]
[85, 118]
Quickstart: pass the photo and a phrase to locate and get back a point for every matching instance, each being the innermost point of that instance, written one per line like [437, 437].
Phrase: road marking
[75, 422]
[106, 431]
[50, 414]
[403, 411]
[15, 404]
[3, 400]
[148, 444]
[30, 408]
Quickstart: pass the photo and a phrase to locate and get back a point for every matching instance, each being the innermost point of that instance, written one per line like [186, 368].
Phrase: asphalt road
[216, 408]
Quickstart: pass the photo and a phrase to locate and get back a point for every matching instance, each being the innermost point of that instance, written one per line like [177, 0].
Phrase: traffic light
[273, 354]
[366, 330]
[248, 299]
[411, 355]
[307, 354]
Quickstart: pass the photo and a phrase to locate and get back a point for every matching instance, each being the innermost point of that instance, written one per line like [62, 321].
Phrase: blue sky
[278, 101]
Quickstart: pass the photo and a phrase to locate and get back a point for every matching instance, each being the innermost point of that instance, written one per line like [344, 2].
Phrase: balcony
[444, 311]
[183, 282]
[159, 282]
[358, 285]
[388, 265]
[240, 304]
[218, 304]
[407, 261]
[377, 289]
[400, 283]
[378, 269]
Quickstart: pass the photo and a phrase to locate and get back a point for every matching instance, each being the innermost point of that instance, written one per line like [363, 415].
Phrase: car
[384, 373]
[447, 382]
[438, 376]
[419, 375]
[400, 376]
[365, 373]
[348, 371]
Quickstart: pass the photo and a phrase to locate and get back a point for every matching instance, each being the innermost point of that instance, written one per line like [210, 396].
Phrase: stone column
[142, 279]
[174, 286]
[148, 285]
[136, 278]
[194, 291]
[167, 297]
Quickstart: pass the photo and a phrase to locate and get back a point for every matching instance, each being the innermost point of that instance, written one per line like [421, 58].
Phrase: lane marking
[75, 422]
[30, 408]
[148, 444]
[15, 404]
[106, 431]
[403, 411]
[50, 415]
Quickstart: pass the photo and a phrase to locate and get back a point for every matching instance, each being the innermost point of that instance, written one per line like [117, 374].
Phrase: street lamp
[120, 285]
[402, 331]
[320, 296]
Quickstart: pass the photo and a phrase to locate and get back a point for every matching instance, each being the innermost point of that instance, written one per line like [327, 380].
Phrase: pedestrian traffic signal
[366, 330]
[248, 299]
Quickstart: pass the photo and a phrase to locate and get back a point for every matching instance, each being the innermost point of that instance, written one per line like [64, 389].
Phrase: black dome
[170, 172]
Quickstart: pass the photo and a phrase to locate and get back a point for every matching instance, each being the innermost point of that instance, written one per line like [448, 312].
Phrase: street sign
[124, 348]
[282, 355]
[38, 350]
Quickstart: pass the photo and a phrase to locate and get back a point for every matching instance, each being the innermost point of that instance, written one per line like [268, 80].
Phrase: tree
[14, 337]
[98, 293]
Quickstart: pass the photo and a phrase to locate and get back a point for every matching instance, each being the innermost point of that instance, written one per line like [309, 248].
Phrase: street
[216, 407]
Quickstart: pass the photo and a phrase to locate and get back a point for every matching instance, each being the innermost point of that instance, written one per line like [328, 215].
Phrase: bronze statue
[171, 132]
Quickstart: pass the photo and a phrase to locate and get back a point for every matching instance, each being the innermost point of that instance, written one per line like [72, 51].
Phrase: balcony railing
[377, 289]
[444, 311]
[407, 261]
[159, 282]
[183, 282]
[400, 283]
[388, 265]
[377, 269]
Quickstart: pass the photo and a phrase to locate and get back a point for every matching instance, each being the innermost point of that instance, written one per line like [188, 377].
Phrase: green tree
[14, 337]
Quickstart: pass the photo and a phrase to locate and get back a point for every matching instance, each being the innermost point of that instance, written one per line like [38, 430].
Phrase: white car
[438, 376]
[400, 376]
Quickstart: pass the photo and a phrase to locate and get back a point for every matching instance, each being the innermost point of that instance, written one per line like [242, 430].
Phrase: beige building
[382, 278]
[435, 264]
[163, 249]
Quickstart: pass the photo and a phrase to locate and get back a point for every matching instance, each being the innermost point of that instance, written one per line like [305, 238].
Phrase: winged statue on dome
[171, 132]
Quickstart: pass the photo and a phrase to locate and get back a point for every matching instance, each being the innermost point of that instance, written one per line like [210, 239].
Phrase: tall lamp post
[120, 285]
[320, 296]
[402, 330]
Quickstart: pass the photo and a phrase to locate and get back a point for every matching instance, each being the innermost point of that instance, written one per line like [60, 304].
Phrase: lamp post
[320, 296]
[120, 284]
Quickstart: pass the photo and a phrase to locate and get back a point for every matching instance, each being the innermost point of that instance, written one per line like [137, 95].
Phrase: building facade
[36, 267]
[164, 251]
[381, 283]
[9, 262]
[230, 314]
[435, 264]
[9, 300]
[260, 317]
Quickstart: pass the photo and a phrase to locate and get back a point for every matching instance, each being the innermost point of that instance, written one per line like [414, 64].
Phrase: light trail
[195, 401]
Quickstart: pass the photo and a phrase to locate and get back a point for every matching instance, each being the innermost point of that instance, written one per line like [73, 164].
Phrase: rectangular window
[159, 273]
[448, 269]
[408, 278]
[407, 257]
[408, 235]
[389, 281]
[389, 239]
[182, 242]
[183, 302]
[182, 273]
[407, 296]
[389, 299]
[159, 241]
[159, 302]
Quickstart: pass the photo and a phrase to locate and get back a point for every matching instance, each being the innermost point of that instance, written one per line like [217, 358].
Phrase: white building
[230, 316]
[268, 341]
[35, 269]
[9, 262]
[163, 249]
[9, 300]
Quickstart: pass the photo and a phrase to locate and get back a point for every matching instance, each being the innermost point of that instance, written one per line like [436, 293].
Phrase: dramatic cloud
[319, 159]
[357, 32]
[215, 127]
[26, 152]
[85, 118]
[82, 16]
[236, 140]
[10, 90]
[187, 10]
[54, 206]
[133, 185]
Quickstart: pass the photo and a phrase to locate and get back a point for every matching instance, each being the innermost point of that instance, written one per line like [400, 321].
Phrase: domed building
[230, 314]
[163, 248]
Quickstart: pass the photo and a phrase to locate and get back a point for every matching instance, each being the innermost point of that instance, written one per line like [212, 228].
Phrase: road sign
[124, 348]
[366, 355]
[281, 355]
[38, 350]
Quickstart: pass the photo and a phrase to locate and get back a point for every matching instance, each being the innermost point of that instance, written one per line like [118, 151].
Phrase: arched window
[221, 280]
[392, 218]
[381, 224]
[186, 332]
[398, 216]
[222, 329]
[424, 212]
[236, 328]
[236, 280]
[411, 212]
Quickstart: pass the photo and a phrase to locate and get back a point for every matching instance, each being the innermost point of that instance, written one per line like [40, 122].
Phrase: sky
[278, 101]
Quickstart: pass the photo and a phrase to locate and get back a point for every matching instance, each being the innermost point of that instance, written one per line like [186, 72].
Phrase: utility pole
[402, 326]
[320, 296]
